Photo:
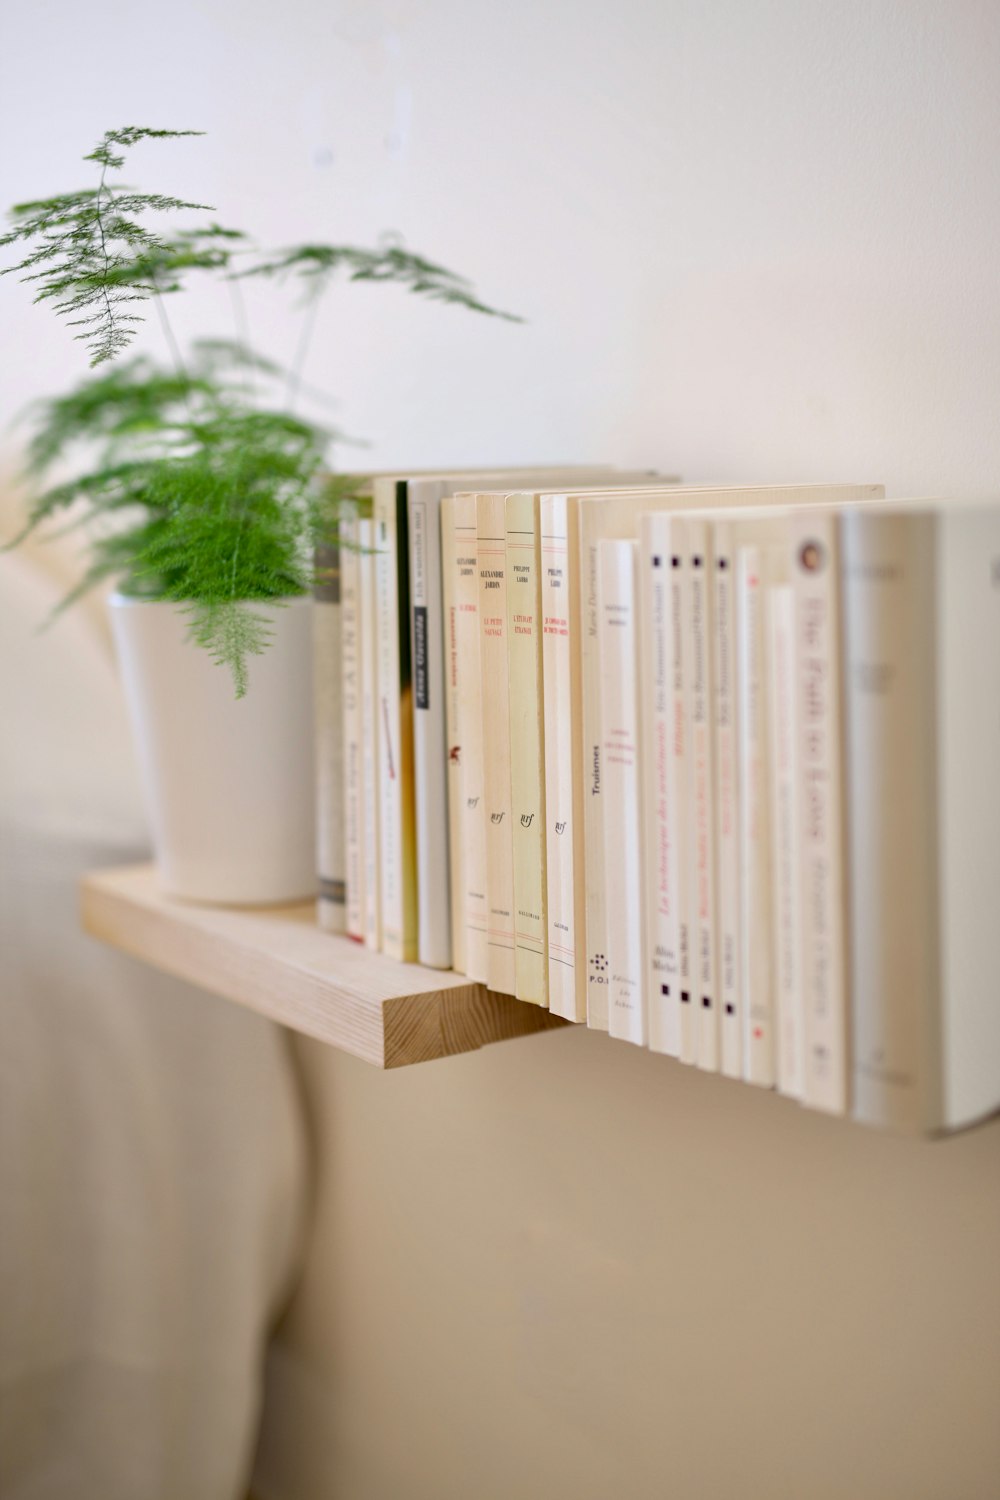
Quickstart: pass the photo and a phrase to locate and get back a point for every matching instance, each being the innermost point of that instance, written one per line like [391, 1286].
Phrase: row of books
[712, 769]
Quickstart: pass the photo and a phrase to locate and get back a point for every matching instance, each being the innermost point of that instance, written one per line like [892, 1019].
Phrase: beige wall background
[753, 241]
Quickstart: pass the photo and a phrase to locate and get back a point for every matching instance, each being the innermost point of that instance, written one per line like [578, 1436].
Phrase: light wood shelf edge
[276, 961]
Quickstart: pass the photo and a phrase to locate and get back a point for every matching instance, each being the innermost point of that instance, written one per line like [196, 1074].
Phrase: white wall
[753, 241]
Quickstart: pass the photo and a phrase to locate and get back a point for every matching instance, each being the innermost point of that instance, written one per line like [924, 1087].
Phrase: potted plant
[204, 498]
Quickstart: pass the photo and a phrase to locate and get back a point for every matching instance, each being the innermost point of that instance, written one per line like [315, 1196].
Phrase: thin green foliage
[195, 485]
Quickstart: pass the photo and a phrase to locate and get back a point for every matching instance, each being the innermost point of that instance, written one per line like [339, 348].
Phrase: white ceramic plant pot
[229, 783]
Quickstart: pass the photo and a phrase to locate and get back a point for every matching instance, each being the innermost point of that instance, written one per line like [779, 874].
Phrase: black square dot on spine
[664, 989]
[675, 562]
[730, 1010]
[657, 561]
[706, 1003]
[723, 563]
[696, 561]
[685, 997]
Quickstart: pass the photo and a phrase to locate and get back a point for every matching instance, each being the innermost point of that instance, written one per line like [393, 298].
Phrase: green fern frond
[230, 631]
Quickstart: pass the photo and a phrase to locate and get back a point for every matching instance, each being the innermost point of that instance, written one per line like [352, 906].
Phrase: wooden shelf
[275, 960]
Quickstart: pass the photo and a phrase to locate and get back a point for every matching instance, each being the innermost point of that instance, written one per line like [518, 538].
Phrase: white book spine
[890, 701]
[567, 984]
[659, 806]
[755, 860]
[329, 711]
[785, 839]
[730, 948]
[815, 570]
[681, 789]
[491, 551]
[351, 689]
[369, 735]
[590, 769]
[527, 789]
[456, 849]
[704, 957]
[429, 763]
[470, 718]
[618, 656]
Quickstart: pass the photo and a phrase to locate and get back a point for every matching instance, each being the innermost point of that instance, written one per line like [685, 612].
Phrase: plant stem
[305, 339]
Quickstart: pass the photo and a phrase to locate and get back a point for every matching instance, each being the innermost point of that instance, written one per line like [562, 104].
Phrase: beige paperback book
[472, 831]
[527, 760]
[351, 693]
[369, 736]
[491, 554]
[453, 737]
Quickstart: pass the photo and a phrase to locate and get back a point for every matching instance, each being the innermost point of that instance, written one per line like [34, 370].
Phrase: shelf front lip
[276, 962]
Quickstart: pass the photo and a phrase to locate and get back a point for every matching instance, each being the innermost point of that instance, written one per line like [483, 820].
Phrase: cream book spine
[369, 734]
[470, 718]
[727, 802]
[329, 720]
[779, 605]
[351, 690]
[527, 759]
[434, 944]
[564, 893]
[921, 613]
[815, 570]
[682, 772]
[759, 1065]
[397, 828]
[701, 802]
[618, 649]
[491, 553]
[658, 605]
[453, 741]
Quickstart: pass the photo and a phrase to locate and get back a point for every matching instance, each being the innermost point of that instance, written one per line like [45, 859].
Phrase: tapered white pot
[228, 782]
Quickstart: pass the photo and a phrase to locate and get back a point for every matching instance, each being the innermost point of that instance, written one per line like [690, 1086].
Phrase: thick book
[619, 708]
[815, 567]
[921, 677]
[329, 719]
[351, 695]
[527, 759]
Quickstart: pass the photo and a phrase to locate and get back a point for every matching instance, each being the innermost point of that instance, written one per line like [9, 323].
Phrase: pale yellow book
[527, 761]
[351, 700]
[491, 554]
[397, 825]
[453, 736]
[614, 515]
[470, 717]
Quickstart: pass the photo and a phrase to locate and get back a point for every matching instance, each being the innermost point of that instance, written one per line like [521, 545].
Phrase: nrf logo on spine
[496, 817]
[526, 819]
[560, 828]
[473, 802]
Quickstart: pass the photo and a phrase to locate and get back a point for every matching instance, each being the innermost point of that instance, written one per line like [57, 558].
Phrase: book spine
[662, 972]
[890, 694]
[370, 841]
[470, 718]
[815, 571]
[755, 858]
[395, 709]
[584, 556]
[491, 553]
[453, 740]
[704, 957]
[785, 839]
[682, 788]
[429, 765]
[329, 720]
[566, 968]
[527, 775]
[351, 689]
[727, 803]
[618, 657]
